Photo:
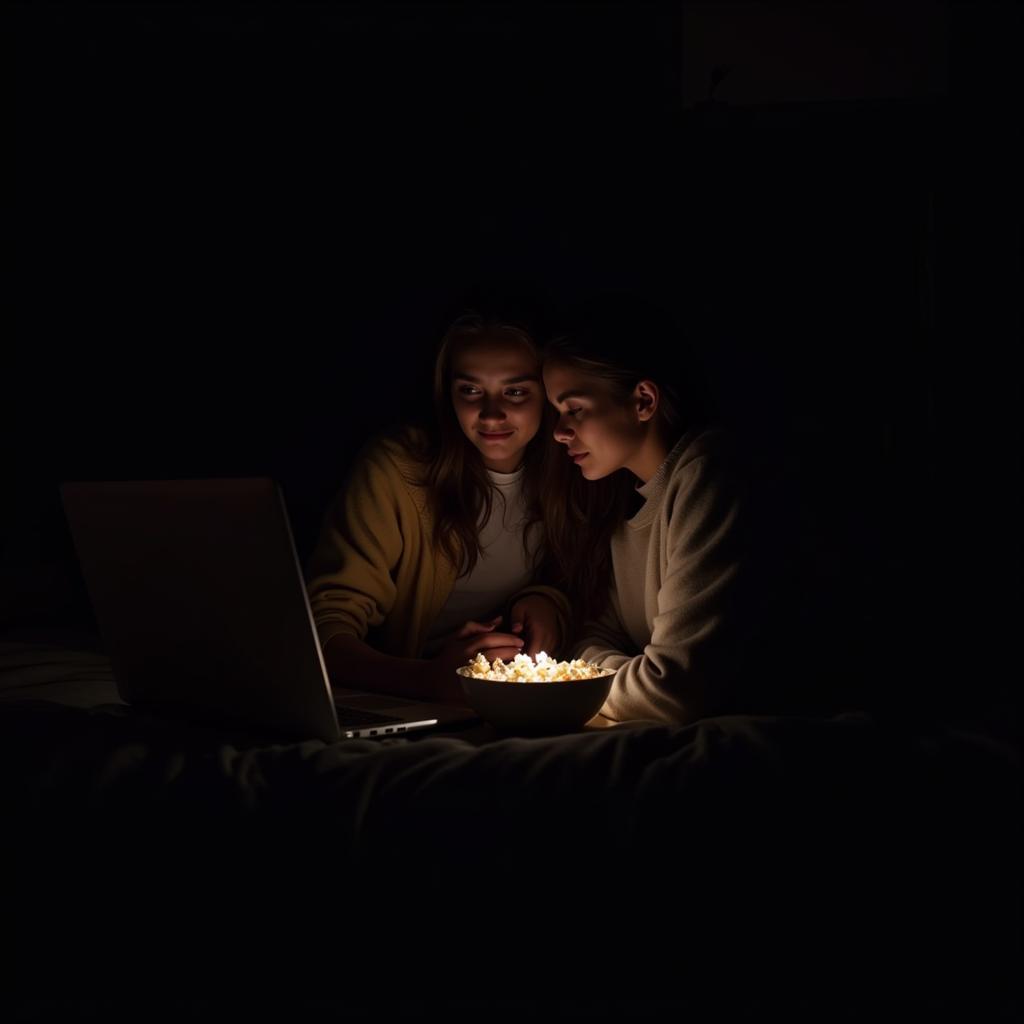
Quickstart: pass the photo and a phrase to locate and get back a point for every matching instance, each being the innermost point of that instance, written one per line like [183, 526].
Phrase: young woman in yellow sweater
[432, 551]
[659, 501]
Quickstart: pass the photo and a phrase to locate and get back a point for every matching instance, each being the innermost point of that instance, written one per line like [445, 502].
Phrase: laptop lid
[199, 596]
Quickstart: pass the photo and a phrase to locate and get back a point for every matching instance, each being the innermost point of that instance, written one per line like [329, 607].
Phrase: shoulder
[705, 460]
[706, 442]
[403, 450]
[399, 458]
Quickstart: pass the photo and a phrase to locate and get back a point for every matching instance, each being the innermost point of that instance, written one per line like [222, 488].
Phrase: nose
[491, 409]
[563, 431]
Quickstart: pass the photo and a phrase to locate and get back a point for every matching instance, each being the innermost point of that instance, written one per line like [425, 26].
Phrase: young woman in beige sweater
[660, 503]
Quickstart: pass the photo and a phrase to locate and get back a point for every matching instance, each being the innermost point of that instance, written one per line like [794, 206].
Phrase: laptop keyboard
[356, 717]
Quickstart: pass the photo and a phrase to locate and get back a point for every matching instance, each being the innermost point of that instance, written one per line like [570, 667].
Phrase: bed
[807, 864]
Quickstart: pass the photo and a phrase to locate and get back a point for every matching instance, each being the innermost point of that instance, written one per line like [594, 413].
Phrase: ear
[646, 396]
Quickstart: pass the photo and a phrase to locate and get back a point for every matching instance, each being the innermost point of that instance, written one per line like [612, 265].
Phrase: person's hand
[535, 618]
[462, 646]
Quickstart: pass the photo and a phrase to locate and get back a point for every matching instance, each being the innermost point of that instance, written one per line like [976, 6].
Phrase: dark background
[238, 231]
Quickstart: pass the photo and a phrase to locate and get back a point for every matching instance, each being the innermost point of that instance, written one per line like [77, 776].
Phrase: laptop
[200, 599]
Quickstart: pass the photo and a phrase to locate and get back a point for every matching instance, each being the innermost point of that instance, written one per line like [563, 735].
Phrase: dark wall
[241, 227]
[239, 230]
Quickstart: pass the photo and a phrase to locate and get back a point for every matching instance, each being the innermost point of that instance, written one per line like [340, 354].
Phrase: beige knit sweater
[673, 628]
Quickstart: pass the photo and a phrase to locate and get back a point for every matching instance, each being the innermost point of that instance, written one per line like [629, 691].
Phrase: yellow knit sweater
[375, 573]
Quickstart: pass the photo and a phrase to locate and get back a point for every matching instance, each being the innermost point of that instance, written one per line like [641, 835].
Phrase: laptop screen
[200, 599]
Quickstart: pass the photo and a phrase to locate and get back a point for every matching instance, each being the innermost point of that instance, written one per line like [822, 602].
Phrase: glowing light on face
[601, 432]
[498, 399]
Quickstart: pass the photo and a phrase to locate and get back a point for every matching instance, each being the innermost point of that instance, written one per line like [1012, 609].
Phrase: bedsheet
[652, 864]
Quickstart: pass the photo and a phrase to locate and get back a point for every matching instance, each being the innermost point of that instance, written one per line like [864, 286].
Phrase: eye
[518, 393]
[468, 390]
[575, 413]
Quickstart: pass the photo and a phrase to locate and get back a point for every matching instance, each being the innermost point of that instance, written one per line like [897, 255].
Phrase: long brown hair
[459, 490]
[580, 515]
[579, 519]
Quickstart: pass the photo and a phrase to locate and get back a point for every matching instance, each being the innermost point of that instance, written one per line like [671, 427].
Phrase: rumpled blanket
[644, 868]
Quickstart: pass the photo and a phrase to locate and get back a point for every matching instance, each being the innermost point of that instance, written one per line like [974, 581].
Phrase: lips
[577, 457]
[496, 436]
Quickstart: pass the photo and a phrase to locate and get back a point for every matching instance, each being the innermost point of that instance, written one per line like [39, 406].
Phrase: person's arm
[352, 588]
[353, 663]
[350, 576]
[540, 615]
[604, 641]
[686, 669]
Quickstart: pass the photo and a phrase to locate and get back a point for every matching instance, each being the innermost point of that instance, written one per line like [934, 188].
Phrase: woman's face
[601, 432]
[498, 399]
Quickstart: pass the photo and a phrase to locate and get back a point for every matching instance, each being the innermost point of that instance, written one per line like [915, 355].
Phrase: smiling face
[602, 429]
[498, 399]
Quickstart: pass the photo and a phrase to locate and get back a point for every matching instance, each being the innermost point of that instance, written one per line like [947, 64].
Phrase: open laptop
[201, 602]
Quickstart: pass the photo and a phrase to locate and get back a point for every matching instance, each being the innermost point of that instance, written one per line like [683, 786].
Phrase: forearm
[604, 641]
[688, 669]
[354, 664]
[601, 654]
[650, 686]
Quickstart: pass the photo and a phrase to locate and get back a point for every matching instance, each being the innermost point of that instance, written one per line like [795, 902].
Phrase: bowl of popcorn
[539, 697]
